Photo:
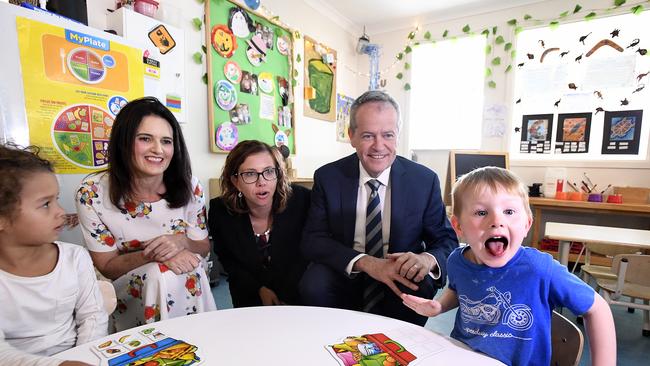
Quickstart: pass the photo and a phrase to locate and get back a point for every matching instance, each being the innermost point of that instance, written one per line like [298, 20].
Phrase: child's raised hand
[421, 305]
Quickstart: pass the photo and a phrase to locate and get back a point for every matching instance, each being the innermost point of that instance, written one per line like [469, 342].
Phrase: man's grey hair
[373, 96]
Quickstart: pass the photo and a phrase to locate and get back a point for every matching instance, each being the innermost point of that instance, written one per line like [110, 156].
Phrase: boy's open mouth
[496, 245]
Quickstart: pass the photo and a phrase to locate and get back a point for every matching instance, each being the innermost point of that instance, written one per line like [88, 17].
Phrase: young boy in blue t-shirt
[506, 292]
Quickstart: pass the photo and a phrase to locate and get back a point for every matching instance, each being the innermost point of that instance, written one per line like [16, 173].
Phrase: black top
[238, 249]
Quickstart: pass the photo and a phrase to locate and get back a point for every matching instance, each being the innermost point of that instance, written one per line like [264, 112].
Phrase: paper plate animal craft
[281, 137]
[223, 41]
[225, 95]
[265, 82]
[240, 22]
[232, 71]
[283, 45]
[226, 136]
[256, 51]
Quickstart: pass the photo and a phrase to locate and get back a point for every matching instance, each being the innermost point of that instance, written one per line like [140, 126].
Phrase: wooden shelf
[595, 259]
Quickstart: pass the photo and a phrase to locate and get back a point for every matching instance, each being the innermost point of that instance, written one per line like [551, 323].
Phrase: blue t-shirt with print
[506, 312]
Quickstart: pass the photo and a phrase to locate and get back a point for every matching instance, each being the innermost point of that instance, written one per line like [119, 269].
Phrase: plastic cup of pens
[575, 196]
[595, 197]
[615, 198]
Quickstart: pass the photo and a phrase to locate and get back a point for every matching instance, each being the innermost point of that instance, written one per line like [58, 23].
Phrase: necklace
[265, 234]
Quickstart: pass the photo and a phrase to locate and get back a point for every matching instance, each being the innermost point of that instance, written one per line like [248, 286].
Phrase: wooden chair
[566, 341]
[633, 281]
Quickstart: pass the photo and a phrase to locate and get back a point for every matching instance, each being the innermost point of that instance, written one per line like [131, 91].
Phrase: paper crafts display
[148, 347]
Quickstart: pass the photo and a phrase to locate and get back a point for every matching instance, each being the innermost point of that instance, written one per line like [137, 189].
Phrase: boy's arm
[427, 307]
[599, 324]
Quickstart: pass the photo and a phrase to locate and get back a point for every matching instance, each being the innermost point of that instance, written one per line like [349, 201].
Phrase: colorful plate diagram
[81, 132]
[86, 65]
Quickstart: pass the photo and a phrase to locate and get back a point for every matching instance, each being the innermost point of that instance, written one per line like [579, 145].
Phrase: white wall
[394, 41]
[315, 139]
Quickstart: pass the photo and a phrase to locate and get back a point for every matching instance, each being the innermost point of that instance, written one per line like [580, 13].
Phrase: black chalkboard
[463, 162]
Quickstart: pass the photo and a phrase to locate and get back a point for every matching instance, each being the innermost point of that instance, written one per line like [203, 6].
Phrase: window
[446, 97]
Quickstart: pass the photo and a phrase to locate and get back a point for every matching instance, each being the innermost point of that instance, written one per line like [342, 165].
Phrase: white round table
[292, 335]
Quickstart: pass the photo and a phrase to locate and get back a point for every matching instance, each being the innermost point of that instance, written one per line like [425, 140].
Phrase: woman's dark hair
[178, 175]
[235, 159]
[16, 164]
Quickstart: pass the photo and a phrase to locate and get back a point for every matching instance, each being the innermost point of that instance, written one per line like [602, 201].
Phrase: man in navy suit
[374, 195]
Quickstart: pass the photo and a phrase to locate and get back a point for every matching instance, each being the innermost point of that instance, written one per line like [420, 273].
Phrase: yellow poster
[75, 84]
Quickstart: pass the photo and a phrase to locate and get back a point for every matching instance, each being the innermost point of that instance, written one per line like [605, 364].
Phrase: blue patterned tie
[373, 293]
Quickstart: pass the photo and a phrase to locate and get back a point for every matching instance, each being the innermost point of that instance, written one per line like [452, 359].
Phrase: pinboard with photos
[249, 61]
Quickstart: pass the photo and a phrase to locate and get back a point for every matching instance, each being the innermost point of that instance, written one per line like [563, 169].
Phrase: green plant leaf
[492, 84]
[200, 1]
[298, 58]
[496, 61]
[577, 8]
[619, 2]
[485, 32]
[295, 73]
[508, 68]
[294, 81]
[527, 17]
[488, 49]
[278, 32]
[513, 54]
[411, 35]
[427, 35]
[197, 23]
[408, 49]
[197, 57]
[590, 16]
[466, 28]
[296, 34]
[554, 24]
[518, 29]
[275, 18]
[494, 30]
[512, 21]
[407, 66]
[204, 49]
[416, 43]
[400, 56]
[445, 33]
[205, 78]
[399, 75]
[507, 47]
[488, 72]
[407, 86]
[637, 10]
[499, 40]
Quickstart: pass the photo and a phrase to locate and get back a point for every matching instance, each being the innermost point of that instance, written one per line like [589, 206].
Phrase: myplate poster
[75, 84]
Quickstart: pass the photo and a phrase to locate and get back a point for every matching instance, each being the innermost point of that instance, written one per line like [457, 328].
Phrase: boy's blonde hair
[490, 177]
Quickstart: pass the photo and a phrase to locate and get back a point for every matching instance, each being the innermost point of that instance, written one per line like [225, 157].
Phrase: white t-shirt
[14, 357]
[49, 314]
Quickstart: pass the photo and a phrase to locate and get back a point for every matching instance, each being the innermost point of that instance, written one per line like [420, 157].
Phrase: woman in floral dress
[143, 219]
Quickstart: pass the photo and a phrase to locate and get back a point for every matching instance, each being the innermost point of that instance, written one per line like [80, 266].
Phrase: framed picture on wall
[572, 136]
[320, 81]
[536, 130]
[622, 132]
[250, 69]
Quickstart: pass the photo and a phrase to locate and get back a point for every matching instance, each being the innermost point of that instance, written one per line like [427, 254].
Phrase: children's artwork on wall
[622, 132]
[343, 105]
[320, 74]
[245, 51]
[573, 133]
[536, 134]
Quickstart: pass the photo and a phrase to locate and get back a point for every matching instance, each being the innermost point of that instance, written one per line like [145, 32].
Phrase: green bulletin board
[249, 78]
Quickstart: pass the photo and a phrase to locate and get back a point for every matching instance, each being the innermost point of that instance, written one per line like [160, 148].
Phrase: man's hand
[385, 271]
[164, 247]
[413, 266]
[269, 297]
[183, 262]
[421, 305]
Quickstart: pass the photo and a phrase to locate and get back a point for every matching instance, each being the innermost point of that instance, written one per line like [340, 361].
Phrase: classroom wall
[316, 139]
[621, 174]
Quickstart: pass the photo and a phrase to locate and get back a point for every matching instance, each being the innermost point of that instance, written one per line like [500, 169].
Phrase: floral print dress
[151, 292]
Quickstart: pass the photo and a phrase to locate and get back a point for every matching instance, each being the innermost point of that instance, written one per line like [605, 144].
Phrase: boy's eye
[480, 213]
[509, 211]
[46, 204]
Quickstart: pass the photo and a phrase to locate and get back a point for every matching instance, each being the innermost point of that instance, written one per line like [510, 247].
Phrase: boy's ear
[456, 225]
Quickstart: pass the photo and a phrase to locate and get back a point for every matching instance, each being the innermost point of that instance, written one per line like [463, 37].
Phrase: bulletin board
[249, 61]
[462, 162]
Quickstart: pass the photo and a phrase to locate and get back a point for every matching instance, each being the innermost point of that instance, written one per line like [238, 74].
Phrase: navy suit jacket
[418, 219]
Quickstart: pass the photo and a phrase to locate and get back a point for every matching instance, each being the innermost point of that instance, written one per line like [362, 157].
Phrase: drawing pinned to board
[240, 22]
[256, 51]
[232, 71]
[320, 74]
[343, 105]
[227, 136]
[225, 95]
[536, 136]
[622, 132]
[223, 41]
[265, 82]
[573, 133]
